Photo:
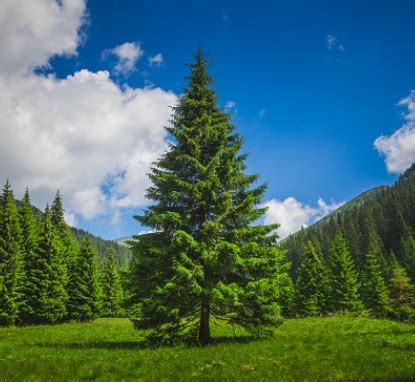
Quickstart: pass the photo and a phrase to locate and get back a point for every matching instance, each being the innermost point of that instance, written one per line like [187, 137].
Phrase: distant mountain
[387, 211]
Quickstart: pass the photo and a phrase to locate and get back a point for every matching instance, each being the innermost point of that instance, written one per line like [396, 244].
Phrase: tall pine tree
[29, 250]
[47, 277]
[206, 257]
[83, 304]
[311, 283]
[11, 269]
[111, 288]
[344, 284]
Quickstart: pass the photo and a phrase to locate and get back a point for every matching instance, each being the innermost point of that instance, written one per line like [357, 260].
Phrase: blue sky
[313, 86]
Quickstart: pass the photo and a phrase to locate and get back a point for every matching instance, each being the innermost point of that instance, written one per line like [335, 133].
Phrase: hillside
[389, 211]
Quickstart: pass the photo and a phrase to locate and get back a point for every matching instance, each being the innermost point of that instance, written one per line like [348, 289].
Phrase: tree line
[45, 277]
[377, 239]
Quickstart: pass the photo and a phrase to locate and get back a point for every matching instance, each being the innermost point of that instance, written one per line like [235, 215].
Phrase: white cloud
[127, 55]
[399, 148]
[230, 106]
[82, 134]
[156, 60]
[291, 214]
[261, 113]
[32, 31]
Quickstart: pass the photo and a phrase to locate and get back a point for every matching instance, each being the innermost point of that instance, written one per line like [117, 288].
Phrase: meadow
[313, 349]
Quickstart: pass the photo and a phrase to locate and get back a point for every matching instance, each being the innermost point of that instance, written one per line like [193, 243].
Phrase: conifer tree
[401, 295]
[68, 246]
[344, 284]
[206, 257]
[11, 271]
[375, 292]
[47, 278]
[111, 288]
[311, 283]
[83, 304]
[29, 250]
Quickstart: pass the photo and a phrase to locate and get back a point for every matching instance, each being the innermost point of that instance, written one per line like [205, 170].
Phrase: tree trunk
[204, 328]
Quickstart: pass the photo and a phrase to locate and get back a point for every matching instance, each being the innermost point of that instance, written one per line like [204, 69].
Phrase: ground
[321, 349]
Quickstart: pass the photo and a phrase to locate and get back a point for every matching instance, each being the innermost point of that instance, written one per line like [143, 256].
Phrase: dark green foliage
[311, 283]
[206, 257]
[343, 279]
[375, 292]
[47, 299]
[11, 269]
[29, 248]
[82, 286]
[111, 288]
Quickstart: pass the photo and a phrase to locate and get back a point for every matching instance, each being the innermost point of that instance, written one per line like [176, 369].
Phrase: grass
[329, 349]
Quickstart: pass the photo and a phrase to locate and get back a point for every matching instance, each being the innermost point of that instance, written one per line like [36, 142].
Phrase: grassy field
[329, 349]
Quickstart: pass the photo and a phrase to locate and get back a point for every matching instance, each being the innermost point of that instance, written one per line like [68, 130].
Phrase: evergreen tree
[311, 283]
[344, 284]
[375, 292]
[29, 250]
[206, 257]
[401, 296]
[47, 280]
[111, 287]
[11, 271]
[67, 244]
[83, 304]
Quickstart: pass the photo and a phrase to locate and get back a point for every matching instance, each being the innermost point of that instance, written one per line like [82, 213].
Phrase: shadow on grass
[143, 344]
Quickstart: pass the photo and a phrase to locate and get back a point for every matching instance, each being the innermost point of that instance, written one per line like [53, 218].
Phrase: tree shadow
[144, 344]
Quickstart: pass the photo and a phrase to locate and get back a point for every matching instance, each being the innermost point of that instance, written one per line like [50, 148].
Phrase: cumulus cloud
[399, 148]
[127, 55]
[35, 30]
[291, 214]
[82, 134]
[156, 60]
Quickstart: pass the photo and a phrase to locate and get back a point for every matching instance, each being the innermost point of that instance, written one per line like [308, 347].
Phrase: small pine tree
[311, 283]
[83, 304]
[375, 292]
[11, 270]
[68, 247]
[343, 278]
[401, 296]
[29, 250]
[111, 288]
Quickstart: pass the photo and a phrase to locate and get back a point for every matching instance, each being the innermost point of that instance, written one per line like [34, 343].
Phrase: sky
[323, 93]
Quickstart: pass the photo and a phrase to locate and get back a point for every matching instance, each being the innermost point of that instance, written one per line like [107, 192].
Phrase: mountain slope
[388, 211]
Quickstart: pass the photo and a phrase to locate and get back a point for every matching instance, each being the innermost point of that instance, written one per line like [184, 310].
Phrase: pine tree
[29, 250]
[401, 296]
[206, 257]
[11, 271]
[311, 283]
[375, 292]
[68, 246]
[111, 287]
[344, 284]
[47, 278]
[83, 291]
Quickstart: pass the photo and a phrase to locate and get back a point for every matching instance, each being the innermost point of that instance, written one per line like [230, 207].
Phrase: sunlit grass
[329, 349]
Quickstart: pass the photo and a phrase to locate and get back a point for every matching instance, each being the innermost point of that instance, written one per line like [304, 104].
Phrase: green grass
[329, 349]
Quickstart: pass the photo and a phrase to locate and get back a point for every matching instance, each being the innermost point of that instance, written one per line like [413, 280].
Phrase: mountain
[386, 211]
